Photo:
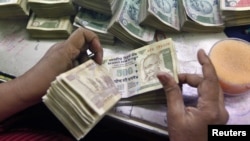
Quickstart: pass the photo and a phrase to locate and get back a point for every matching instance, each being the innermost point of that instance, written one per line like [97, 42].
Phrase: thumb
[175, 103]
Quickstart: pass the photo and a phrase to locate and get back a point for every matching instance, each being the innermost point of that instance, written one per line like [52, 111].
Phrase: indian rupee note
[4, 2]
[128, 19]
[62, 23]
[50, 1]
[13, 8]
[235, 5]
[166, 11]
[12, 2]
[81, 108]
[93, 84]
[135, 72]
[205, 12]
[93, 20]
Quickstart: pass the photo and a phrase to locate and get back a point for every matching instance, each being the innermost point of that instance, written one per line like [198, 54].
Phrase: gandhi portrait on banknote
[133, 9]
[151, 65]
[202, 6]
[164, 5]
[231, 2]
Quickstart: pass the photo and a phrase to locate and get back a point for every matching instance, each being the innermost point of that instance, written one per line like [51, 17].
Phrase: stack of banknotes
[52, 9]
[124, 25]
[200, 16]
[161, 15]
[50, 28]
[96, 22]
[13, 9]
[51, 19]
[235, 12]
[81, 97]
[106, 7]
[135, 22]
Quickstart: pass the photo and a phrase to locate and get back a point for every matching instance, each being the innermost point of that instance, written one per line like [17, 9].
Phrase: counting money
[135, 72]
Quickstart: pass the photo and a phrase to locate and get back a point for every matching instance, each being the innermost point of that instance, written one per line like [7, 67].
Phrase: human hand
[65, 54]
[28, 89]
[191, 123]
[58, 59]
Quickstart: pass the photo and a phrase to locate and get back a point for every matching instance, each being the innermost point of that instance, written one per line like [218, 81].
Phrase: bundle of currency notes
[81, 97]
[156, 97]
[4, 77]
[50, 28]
[96, 22]
[235, 12]
[52, 8]
[134, 73]
[107, 7]
[200, 16]
[162, 15]
[125, 26]
[12, 9]
[149, 98]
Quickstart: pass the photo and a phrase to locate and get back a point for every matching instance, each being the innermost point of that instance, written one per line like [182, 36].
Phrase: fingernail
[163, 77]
[99, 58]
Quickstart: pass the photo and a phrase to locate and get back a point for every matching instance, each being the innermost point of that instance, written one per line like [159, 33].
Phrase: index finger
[173, 93]
[81, 37]
[210, 87]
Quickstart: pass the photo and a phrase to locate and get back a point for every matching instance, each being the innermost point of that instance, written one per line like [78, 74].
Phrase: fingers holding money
[80, 41]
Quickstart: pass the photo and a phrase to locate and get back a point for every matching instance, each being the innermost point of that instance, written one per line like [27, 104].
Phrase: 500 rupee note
[135, 72]
[205, 12]
[80, 97]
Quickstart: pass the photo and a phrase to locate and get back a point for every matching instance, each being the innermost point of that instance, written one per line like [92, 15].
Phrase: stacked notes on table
[80, 97]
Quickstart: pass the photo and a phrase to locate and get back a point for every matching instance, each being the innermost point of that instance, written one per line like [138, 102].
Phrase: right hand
[191, 123]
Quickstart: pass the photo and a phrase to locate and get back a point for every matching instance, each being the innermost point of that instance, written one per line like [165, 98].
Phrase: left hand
[28, 89]
[63, 55]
